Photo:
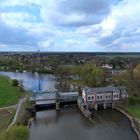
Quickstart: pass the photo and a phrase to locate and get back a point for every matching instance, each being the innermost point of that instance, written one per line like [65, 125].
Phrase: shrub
[134, 100]
[16, 133]
[15, 82]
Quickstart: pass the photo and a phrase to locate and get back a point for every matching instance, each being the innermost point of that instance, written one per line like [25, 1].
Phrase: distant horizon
[69, 52]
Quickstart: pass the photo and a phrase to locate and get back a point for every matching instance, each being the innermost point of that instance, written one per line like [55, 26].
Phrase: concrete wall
[84, 96]
[100, 97]
[116, 95]
[91, 97]
[105, 99]
[108, 96]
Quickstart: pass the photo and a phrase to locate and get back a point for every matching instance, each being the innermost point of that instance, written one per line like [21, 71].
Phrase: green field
[8, 94]
[134, 110]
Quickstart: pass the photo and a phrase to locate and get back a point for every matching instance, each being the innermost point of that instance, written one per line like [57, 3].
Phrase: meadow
[9, 94]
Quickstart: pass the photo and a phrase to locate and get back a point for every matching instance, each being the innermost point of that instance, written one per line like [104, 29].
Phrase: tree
[62, 71]
[137, 73]
[92, 75]
[76, 71]
[15, 82]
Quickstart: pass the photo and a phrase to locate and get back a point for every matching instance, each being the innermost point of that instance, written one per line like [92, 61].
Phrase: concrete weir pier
[84, 108]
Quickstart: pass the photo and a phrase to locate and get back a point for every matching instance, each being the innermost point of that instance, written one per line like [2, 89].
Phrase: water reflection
[64, 87]
[31, 81]
[71, 125]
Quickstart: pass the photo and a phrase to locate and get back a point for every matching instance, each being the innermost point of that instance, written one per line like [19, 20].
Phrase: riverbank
[9, 110]
[134, 110]
[9, 94]
[135, 122]
[6, 116]
[32, 71]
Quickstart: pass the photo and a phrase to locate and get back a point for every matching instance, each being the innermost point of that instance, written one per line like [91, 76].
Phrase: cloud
[77, 13]
[13, 36]
[17, 19]
[121, 26]
[70, 25]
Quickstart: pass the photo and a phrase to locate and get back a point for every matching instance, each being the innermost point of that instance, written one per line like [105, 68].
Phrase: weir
[54, 99]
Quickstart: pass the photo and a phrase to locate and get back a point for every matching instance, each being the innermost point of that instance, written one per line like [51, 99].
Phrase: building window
[97, 97]
[89, 98]
[100, 97]
[106, 96]
[117, 95]
[109, 96]
[92, 97]
[114, 96]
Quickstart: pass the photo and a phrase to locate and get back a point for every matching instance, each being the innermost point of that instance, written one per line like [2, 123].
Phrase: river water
[70, 124]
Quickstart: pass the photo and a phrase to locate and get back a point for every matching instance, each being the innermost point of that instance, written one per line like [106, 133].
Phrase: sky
[70, 25]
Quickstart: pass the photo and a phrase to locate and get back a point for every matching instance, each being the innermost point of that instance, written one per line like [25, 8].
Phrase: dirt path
[7, 107]
[17, 112]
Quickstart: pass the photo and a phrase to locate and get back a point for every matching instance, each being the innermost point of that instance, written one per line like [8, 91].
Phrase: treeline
[88, 73]
[94, 76]
[131, 79]
[121, 62]
[47, 63]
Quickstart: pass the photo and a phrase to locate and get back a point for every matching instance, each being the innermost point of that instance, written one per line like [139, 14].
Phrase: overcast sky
[70, 25]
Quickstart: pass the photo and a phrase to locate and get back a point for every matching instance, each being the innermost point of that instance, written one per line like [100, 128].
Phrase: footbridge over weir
[55, 99]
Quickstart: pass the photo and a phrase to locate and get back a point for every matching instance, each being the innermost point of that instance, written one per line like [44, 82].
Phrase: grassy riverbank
[9, 94]
[6, 116]
[133, 106]
[134, 110]
[15, 133]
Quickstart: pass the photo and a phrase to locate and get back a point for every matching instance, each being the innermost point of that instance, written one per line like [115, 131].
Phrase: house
[117, 72]
[107, 66]
[103, 96]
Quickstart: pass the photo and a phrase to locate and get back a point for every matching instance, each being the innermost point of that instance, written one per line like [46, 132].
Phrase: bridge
[55, 99]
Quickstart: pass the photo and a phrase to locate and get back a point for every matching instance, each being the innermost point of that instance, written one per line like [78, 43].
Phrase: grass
[24, 114]
[15, 133]
[6, 116]
[134, 110]
[8, 94]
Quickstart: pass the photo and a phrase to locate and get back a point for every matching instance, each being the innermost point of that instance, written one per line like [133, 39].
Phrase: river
[70, 124]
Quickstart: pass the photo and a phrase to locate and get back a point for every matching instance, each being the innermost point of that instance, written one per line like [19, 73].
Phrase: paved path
[7, 107]
[17, 112]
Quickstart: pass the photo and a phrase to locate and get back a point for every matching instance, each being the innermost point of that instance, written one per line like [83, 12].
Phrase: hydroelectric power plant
[91, 98]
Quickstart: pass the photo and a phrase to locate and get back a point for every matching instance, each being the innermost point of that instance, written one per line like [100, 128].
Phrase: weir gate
[55, 99]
